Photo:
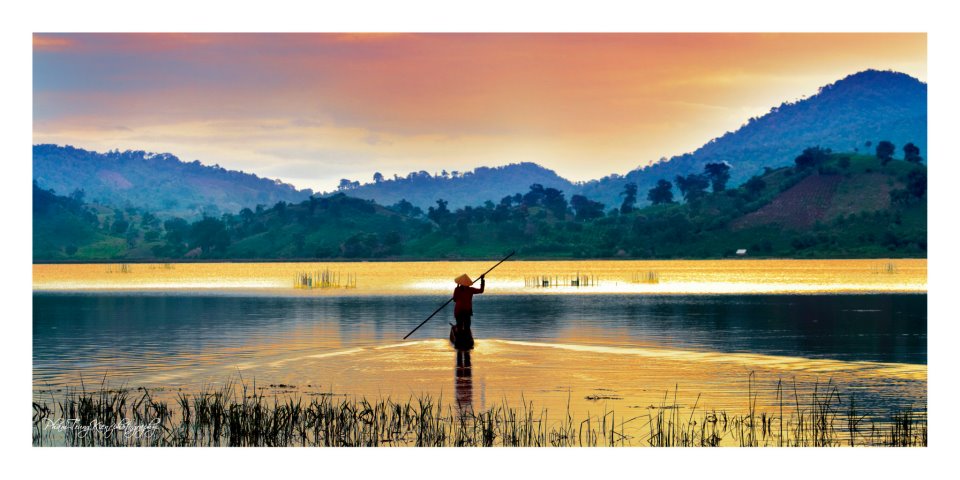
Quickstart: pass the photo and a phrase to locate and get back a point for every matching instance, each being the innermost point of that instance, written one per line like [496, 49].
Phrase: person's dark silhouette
[460, 334]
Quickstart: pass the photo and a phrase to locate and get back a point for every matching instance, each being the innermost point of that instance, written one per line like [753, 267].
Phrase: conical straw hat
[463, 280]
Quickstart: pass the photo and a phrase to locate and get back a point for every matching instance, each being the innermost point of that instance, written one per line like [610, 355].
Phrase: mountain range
[853, 114]
[160, 183]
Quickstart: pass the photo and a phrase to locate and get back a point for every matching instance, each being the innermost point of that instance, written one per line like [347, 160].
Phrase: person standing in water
[460, 334]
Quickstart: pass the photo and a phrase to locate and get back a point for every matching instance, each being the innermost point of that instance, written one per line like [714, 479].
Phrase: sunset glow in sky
[313, 108]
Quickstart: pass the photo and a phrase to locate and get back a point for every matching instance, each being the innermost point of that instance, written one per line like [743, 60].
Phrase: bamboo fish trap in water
[575, 280]
[324, 279]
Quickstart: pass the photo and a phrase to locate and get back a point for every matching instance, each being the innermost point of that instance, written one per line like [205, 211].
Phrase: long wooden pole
[451, 299]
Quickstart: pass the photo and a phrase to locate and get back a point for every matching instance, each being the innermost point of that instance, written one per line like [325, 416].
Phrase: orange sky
[313, 108]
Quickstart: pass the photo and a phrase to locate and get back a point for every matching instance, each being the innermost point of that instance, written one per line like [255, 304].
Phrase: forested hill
[458, 189]
[827, 205]
[852, 114]
[160, 183]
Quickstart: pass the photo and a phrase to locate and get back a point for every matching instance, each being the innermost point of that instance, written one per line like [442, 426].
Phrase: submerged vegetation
[888, 268]
[645, 277]
[324, 279]
[242, 415]
[121, 268]
[575, 280]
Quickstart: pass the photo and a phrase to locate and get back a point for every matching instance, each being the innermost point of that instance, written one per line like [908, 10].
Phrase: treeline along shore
[826, 205]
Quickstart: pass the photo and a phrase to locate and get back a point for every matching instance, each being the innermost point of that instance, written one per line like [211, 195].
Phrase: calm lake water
[698, 331]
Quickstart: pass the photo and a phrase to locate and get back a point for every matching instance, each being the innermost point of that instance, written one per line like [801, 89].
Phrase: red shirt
[463, 298]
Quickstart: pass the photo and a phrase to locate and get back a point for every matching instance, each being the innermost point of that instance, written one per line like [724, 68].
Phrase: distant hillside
[65, 227]
[852, 114]
[460, 189]
[333, 227]
[836, 206]
[822, 198]
[160, 183]
[846, 206]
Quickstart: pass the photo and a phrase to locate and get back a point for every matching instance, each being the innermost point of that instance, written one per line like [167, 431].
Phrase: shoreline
[160, 261]
[288, 293]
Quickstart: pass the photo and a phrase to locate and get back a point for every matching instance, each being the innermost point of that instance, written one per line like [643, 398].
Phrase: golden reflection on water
[570, 373]
[557, 378]
[584, 380]
[399, 278]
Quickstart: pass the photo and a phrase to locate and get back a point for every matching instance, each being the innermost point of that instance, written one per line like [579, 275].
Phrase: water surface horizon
[684, 277]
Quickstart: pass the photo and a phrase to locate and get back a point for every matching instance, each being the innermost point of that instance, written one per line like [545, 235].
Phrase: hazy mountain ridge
[161, 183]
[868, 106]
[469, 188]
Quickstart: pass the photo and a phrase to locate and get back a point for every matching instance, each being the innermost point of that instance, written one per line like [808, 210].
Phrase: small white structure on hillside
[741, 252]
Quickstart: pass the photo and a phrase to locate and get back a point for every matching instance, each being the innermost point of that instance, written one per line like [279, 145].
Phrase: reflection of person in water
[463, 385]
[460, 334]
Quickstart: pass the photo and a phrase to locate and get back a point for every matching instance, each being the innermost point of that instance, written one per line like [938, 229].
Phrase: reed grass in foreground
[234, 415]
